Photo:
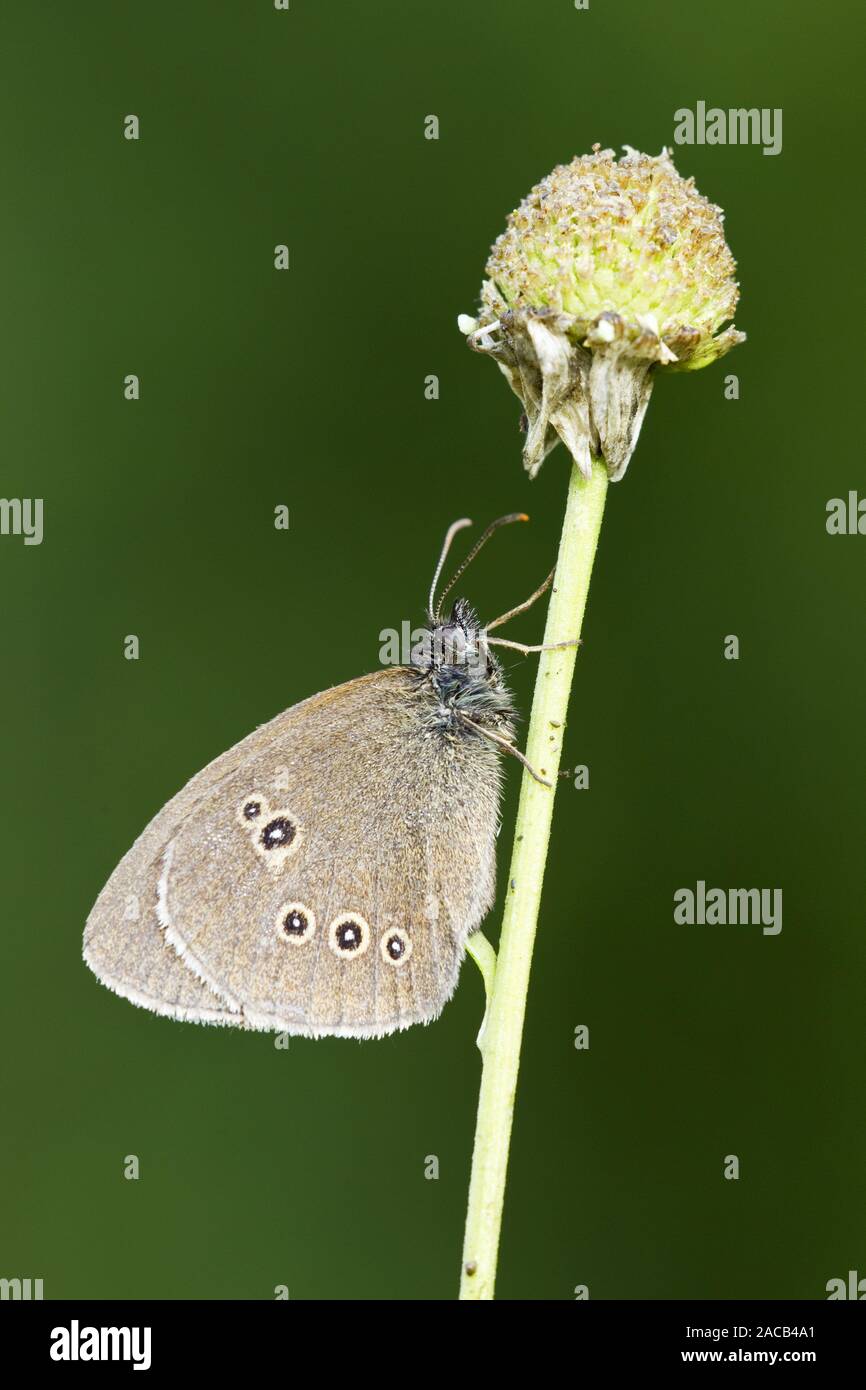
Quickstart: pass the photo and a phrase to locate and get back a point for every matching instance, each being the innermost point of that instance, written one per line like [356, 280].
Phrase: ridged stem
[503, 1030]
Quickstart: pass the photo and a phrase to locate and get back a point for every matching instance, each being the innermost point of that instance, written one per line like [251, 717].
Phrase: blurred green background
[306, 1168]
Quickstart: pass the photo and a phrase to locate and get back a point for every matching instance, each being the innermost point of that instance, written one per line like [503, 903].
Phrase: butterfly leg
[521, 646]
[507, 747]
[522, 607]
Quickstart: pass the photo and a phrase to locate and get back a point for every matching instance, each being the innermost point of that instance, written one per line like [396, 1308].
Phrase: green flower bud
[607, 273]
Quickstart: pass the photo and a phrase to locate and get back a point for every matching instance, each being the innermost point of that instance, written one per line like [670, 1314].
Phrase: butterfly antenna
[494, 526]
[446, 546]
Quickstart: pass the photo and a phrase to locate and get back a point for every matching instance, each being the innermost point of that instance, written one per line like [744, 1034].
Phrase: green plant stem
[503, 1030]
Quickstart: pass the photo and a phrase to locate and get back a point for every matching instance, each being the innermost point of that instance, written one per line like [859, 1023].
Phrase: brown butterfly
[323, 876]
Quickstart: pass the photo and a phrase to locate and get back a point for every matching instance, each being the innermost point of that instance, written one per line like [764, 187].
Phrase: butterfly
[322, 877]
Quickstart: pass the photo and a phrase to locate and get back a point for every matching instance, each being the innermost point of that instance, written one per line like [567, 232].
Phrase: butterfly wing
[124, 940]
[322, 876]
[125, 947]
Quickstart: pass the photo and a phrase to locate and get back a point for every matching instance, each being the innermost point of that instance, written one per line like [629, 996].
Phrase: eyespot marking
[251, 810]
[274, 835]
[278, 833]
[296, 923]
[395, 947]
[349, 935]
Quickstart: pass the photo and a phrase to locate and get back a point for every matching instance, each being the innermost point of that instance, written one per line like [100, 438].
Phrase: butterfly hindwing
[322, 876]
[124, 939]
[124, 943]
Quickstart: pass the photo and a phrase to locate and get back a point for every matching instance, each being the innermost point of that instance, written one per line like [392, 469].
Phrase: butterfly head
[454, 655]
[462, 674]
[454, 648]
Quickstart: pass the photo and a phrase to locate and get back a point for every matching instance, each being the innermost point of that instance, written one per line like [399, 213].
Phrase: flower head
[608, 272]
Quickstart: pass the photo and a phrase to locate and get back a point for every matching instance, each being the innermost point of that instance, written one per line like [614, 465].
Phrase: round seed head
[607, 272]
